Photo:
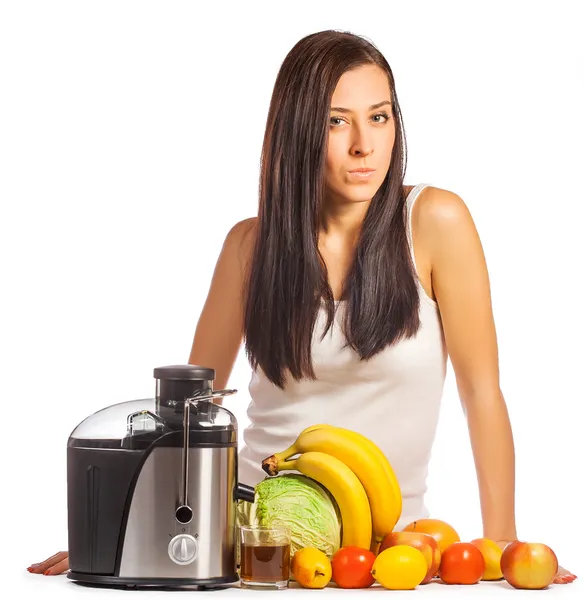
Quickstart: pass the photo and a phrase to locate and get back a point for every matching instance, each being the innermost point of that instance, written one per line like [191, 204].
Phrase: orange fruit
[442, 532]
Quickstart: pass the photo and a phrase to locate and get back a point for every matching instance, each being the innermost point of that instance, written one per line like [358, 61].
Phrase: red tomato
[352, 567]
[462, 563]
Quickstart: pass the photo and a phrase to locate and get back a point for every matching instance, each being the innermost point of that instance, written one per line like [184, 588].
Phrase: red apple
[424, 542]
[529, 566]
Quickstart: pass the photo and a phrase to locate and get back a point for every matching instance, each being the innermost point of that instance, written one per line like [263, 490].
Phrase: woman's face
[359, 136]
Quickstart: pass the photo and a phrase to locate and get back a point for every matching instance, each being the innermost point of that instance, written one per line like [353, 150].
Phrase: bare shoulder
[243, 231]
[437, 205]
[439, 215]
[240, 241]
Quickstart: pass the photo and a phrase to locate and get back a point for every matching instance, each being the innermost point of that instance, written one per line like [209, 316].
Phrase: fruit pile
[362, 482]
[357, 474]
[408, 559]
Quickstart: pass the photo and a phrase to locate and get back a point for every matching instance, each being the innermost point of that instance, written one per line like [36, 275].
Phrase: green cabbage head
[299, 503]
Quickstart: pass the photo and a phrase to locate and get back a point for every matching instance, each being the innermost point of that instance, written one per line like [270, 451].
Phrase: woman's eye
[381, 114]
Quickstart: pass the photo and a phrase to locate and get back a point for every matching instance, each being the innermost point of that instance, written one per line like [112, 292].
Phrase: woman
[351, 289]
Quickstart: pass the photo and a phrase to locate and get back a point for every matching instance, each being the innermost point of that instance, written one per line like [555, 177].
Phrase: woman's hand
[54, 565]
[562, 576]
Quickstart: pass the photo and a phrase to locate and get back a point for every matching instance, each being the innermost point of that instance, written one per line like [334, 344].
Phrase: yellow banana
[365, 459]
[395, 494]
[314, 427]
[345, 488]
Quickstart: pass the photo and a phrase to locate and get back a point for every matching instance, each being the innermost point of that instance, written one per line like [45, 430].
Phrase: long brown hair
[287, 278]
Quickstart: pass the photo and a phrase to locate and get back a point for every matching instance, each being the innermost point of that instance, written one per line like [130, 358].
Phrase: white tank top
[394, 399]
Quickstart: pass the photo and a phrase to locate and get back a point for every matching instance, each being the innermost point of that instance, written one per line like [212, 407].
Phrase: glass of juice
[264, 557]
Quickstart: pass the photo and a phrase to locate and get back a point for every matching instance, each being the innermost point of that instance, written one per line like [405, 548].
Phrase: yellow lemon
[400, 568]
[311, 568]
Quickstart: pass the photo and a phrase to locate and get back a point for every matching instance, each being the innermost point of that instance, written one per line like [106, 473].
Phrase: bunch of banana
[355, 471]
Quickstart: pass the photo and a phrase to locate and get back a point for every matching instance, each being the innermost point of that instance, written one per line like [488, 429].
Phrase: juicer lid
[137, 424]
[184, 373]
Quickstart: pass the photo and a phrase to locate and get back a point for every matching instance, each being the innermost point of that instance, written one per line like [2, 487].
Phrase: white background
[130, 137]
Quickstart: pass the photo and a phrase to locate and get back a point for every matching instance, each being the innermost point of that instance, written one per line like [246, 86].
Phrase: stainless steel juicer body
[156, 506]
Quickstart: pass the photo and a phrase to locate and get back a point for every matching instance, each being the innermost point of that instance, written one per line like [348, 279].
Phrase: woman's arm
[461, 284]
[219, 331]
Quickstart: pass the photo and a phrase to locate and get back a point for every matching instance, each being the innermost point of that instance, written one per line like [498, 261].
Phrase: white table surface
[44, 587]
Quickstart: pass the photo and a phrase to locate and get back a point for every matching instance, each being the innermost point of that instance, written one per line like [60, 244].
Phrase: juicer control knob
[182, 549]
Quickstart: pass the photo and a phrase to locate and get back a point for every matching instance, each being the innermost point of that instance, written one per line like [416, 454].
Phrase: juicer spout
[245, 492]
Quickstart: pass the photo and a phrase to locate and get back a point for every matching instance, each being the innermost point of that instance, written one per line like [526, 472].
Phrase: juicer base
[150, 582]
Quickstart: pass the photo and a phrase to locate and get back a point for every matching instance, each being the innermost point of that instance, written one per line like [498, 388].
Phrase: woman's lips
[361, 175]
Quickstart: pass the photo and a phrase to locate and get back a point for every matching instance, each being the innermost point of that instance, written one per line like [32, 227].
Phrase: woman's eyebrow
[372, 107]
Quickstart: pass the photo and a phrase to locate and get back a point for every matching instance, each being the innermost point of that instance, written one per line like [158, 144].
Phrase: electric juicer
[152, 488]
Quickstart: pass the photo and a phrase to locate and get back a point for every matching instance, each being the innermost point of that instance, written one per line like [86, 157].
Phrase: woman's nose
[362, 143]
[362, 149]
